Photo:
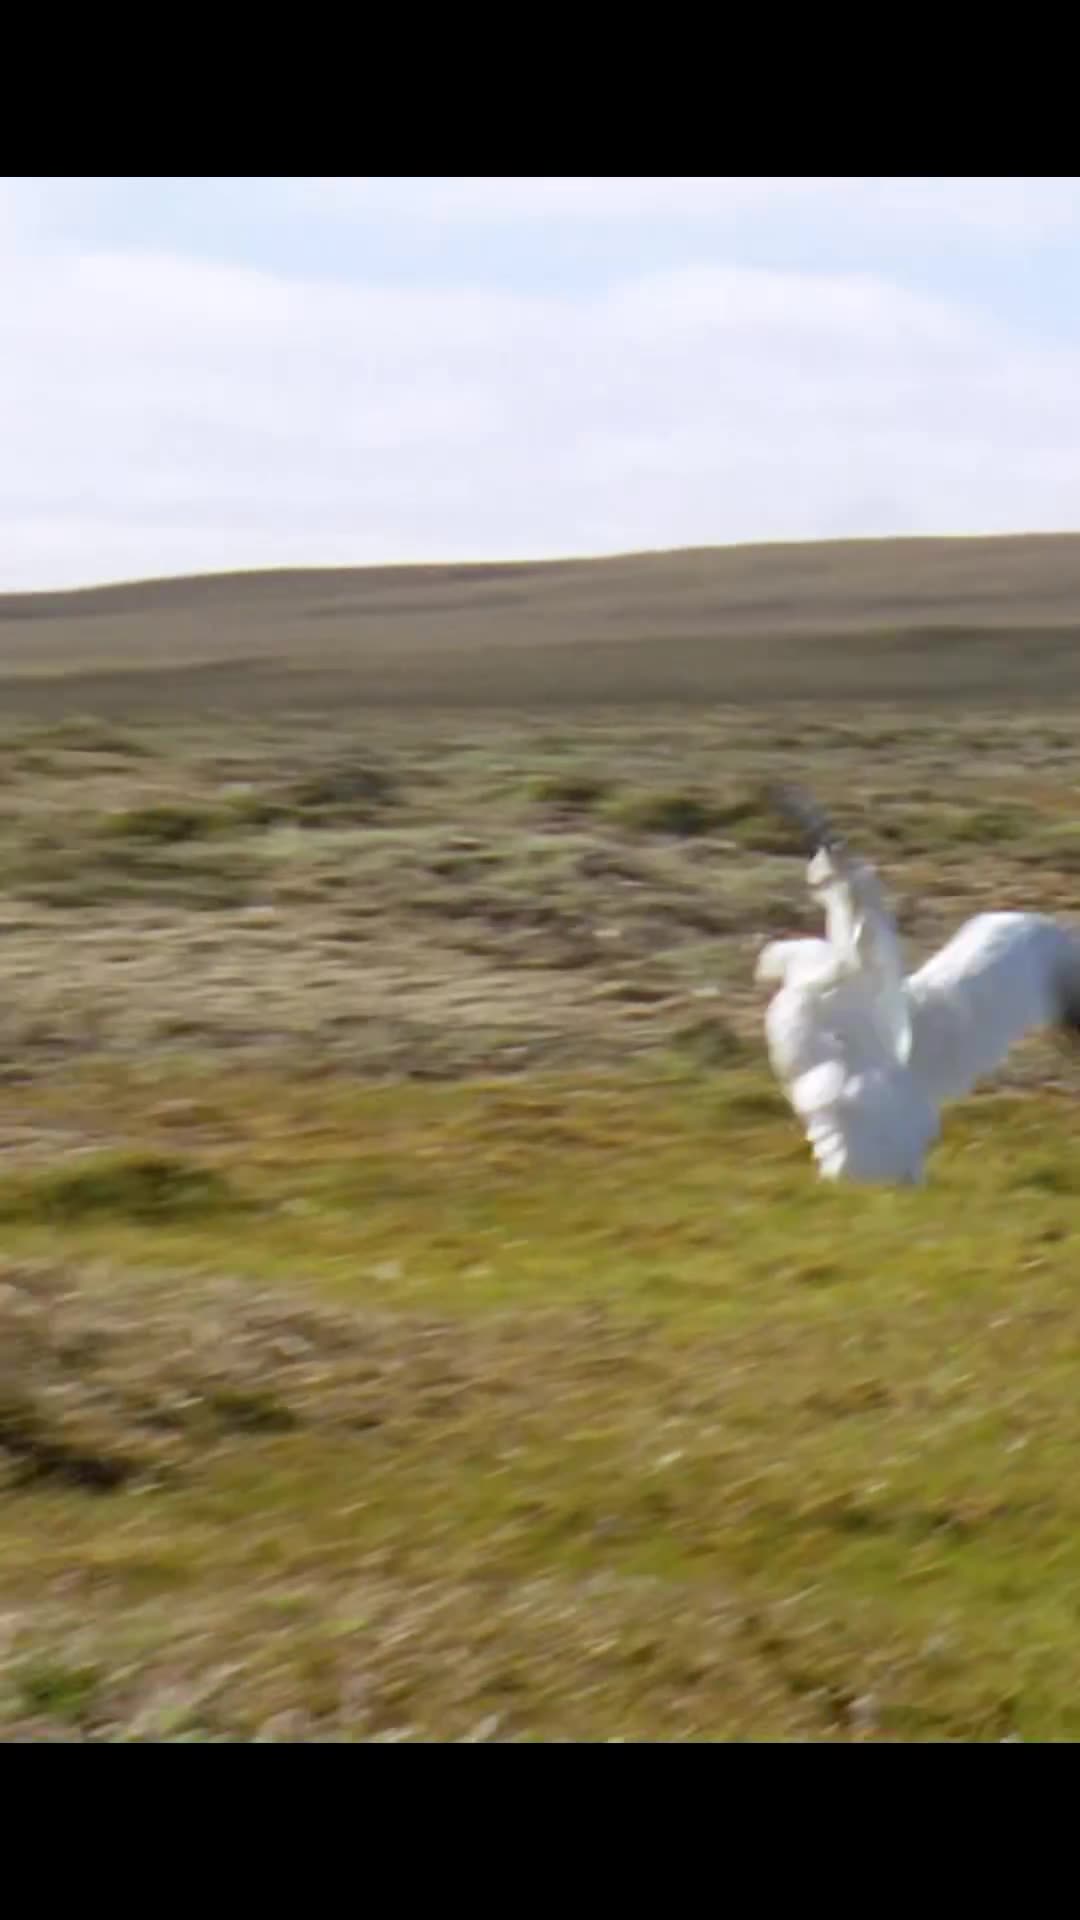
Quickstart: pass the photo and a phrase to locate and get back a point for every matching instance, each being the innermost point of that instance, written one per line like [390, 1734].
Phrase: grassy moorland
[418, 1318]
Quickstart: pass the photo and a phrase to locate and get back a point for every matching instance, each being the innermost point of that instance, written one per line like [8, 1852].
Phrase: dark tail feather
[1068, 1012]
[1069, 1017]
[814, 826]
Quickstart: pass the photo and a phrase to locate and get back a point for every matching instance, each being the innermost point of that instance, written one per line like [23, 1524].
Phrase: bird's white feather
[866, 1055]
[862, 933]
[1002, 975]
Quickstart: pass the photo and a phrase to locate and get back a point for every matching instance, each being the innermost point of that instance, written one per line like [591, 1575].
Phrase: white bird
[866, 1054]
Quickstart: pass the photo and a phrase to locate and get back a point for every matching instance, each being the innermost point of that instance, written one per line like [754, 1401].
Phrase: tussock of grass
[679, 813]
[741, 815]
[59, 1691]
[253, 811]
[162, 824]
[353, 790]
[88, 734]
[168, 865]
[141, 1187]
[574, 789]
[991, 826]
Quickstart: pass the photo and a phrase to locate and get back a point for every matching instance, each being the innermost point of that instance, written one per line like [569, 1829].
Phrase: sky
[203, 374]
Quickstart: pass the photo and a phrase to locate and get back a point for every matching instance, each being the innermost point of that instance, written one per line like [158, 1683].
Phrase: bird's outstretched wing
[1000, 977]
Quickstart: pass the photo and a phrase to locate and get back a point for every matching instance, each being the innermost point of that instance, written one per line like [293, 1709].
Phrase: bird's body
[867, 1054]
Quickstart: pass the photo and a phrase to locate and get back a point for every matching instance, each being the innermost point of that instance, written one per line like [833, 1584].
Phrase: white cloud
[162, 414]
[1007, 206]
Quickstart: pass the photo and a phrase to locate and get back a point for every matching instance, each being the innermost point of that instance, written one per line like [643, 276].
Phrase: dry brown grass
[429, 895]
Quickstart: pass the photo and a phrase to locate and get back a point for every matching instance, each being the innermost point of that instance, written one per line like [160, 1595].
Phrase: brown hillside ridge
[867, 619]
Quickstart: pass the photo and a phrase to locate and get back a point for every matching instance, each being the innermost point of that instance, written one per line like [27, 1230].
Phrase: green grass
[572, 1408]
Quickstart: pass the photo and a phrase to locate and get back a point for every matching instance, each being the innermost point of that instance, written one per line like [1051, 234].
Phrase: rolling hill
[874, 619]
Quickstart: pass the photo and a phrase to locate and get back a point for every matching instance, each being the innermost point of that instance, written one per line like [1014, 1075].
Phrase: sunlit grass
[600, 1417]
